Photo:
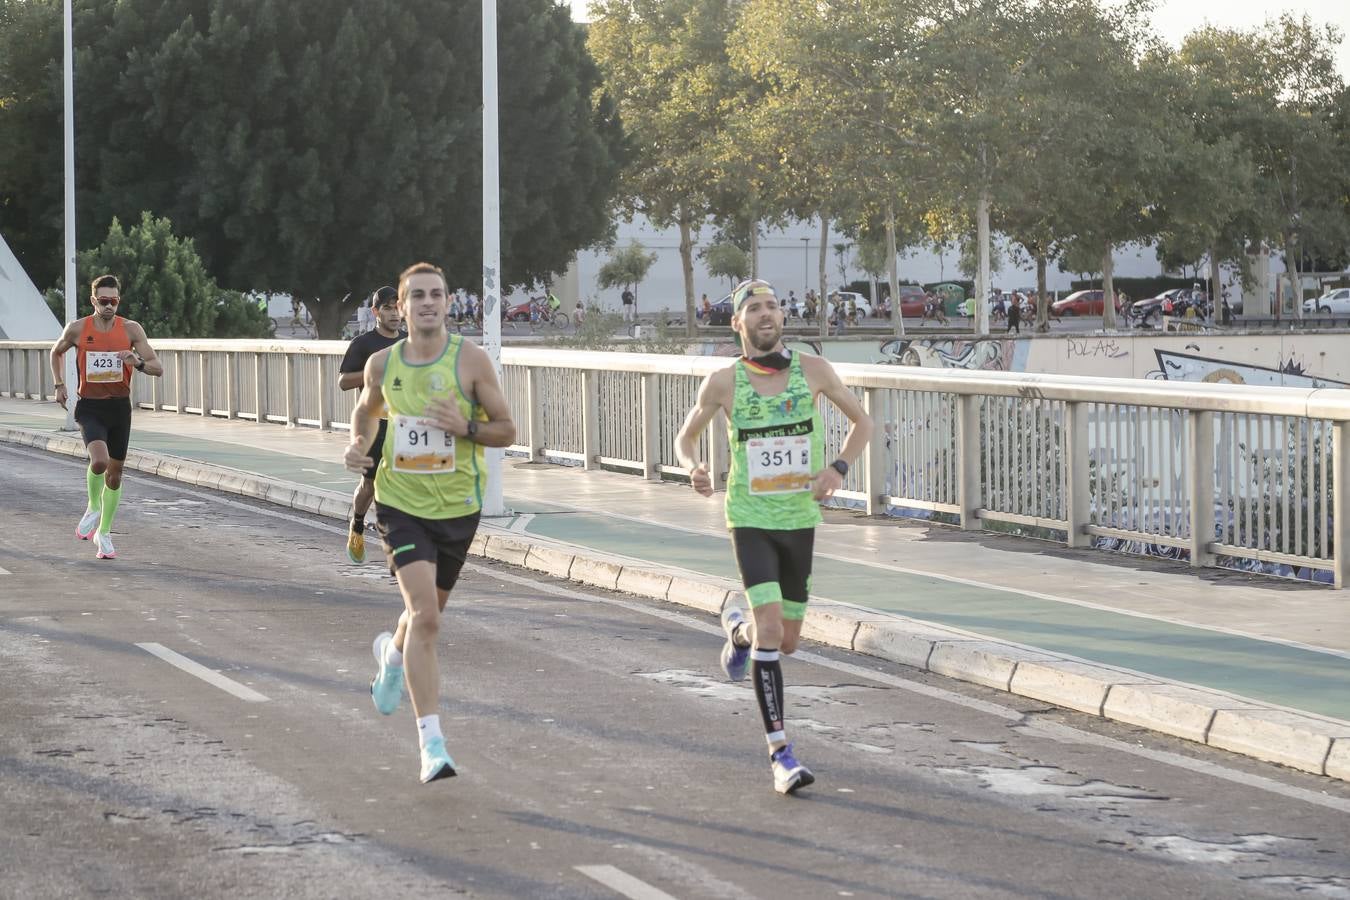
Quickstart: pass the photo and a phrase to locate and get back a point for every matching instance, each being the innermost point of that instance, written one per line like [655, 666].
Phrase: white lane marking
[621, 882]
[968, 582]
[4, 571]
[208, 675]
[522, 522]
[1061, 732]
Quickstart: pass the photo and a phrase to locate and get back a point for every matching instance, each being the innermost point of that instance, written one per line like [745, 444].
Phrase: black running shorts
[408, 538]
[376, 449]
[107, 420]
[783, 557]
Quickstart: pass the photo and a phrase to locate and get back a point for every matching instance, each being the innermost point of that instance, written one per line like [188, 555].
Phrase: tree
[166, 287]
[626, 268]
[30, 137]
[665, 64]
[321, 149]
[1274, 89]
[726, 260]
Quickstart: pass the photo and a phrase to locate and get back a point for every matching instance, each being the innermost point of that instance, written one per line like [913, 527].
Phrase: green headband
[745, 292]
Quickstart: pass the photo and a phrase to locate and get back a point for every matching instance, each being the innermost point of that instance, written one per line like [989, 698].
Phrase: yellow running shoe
[356, 547]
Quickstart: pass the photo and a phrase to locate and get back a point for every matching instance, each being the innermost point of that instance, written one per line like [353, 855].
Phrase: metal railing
[1204, 470]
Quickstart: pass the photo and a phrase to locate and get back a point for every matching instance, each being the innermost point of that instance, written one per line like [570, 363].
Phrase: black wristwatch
[841, 467]
[471, 431]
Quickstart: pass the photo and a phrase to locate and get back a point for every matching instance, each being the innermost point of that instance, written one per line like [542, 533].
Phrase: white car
[864, 305]
[1335, 302]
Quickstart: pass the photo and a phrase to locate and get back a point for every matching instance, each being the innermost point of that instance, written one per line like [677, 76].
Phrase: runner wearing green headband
[778, 477]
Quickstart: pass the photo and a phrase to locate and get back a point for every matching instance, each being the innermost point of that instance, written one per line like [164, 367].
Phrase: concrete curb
[1300, 740]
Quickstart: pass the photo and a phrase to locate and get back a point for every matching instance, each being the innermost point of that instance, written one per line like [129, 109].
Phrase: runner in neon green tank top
[444, 405]
[778, 477]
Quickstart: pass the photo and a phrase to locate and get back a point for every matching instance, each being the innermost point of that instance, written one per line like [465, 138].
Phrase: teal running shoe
[735, 660]
[386, 688]
[436, 763]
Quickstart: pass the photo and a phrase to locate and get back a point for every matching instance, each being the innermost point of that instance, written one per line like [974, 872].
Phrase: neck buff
[769, 362]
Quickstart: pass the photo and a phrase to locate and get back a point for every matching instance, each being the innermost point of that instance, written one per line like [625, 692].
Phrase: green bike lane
[1269, 671]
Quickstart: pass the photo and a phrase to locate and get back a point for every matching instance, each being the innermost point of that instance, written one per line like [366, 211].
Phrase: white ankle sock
[392, 657]
[428, 727]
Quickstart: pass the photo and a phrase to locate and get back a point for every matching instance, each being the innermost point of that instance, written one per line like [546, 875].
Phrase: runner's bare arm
[140, 346]
[713, 395]
[366, 415]
[58, 360]
[499, 430]
[349, 380]
[825, 380]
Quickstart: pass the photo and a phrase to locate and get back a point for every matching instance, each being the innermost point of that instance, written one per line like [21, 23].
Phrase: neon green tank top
[777, 444]
[424, 471]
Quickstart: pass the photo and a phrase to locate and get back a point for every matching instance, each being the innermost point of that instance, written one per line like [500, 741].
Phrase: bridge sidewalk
[1250, 663]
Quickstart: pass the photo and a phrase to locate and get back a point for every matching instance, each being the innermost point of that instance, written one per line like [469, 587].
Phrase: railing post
[875, 459]
[590, 418]
[204, 389]
[27, 380]
[1340, 506]
[1200, 454]
[258, 388]
[290, 390]
[231, 385]
[534, 412]
[325, 401]
[651, 454]
[178, 381]
[1077, 471]
[969, 493]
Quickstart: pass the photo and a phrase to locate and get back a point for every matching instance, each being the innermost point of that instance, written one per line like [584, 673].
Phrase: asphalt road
[602, 755]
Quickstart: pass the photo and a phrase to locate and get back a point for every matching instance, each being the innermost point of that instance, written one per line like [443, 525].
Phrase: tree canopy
[312, 148]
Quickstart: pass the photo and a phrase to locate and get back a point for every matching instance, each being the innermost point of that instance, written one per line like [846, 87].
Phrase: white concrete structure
[24, 315]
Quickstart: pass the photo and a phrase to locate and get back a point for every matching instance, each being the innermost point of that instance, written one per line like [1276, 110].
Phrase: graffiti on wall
[988, 355]
[1174, 366]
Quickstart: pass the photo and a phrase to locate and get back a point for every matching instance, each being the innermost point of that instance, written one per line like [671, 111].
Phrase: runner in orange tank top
[107, 349]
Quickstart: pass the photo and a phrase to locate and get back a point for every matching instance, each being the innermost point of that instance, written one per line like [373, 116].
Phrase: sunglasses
[107, 301]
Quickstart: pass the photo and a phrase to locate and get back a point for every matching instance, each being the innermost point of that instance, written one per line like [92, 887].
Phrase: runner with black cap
[384, 305]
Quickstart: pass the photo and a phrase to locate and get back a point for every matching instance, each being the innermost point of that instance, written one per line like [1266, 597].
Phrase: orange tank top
[102, 375]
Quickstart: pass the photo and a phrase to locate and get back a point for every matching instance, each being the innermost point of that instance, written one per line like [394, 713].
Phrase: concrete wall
[1308, 359]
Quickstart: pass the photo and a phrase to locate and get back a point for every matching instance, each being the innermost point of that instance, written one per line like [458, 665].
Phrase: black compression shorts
[107, 420]
[408, 538]
[768, 557]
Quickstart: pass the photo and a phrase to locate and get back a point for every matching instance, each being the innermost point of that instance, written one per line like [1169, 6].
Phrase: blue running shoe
[788, 774]
[436, 763]
[735, 660]
[386, 688]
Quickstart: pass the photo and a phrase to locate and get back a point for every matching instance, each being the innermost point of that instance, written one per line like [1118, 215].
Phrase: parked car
[1334, 302]
[1081, 303]
[720, 313]
[519, 313]
[911, 302]
[864, 305]
[1149, 311]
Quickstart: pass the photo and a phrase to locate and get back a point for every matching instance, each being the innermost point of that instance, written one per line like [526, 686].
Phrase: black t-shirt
[363, 348]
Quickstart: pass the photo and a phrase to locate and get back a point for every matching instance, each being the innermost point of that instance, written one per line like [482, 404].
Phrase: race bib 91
[779, 465]
[102, 367]
[421, 447]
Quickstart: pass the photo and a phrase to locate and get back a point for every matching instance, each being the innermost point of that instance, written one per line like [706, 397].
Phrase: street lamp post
[71, 377]
[493, 502]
